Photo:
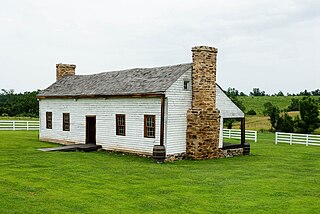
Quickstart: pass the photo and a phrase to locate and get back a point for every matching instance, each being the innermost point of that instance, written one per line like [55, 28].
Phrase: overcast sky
[272, 44]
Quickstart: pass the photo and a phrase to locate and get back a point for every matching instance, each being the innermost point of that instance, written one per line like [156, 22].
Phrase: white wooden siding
[226, 107]
[104, 110]
[179, 101]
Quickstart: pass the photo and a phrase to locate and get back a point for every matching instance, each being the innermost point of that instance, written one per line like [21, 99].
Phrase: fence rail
[236, 134]
[19, 125]
[293, 138]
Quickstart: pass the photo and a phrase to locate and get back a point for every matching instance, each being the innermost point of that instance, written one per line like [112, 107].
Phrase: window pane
[66, 122]
[120, 124]
[49, 120]
[149, 126]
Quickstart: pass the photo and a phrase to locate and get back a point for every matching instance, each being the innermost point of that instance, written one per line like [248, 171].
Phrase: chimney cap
[65, 65]
[205, 48]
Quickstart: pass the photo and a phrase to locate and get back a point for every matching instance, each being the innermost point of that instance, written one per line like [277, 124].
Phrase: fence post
[307, 139]
[276, 137]
[13, 125]
[255, 136]
[290, 138]
[27, 125]
[229, 133]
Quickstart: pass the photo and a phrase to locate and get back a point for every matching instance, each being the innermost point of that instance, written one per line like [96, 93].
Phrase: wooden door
[90, 129]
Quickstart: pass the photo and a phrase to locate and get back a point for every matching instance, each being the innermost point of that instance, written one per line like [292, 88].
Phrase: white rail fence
[293, 138]
[236, 134]
[19, 125]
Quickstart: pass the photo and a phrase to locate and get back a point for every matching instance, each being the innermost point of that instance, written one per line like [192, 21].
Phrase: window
[121, 124]
[186, 84]
[66, 122]
[49, 120]
[149, 126]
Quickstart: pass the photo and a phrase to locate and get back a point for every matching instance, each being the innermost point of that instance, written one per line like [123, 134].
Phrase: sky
[268, 44]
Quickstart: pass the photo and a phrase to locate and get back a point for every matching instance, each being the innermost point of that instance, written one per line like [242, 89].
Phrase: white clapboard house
[129, 110]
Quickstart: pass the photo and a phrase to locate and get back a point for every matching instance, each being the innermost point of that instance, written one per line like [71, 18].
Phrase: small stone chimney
[203, 119]
[63, 70]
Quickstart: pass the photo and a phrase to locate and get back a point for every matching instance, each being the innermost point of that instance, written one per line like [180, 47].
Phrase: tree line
[232, 92]
[18, 104]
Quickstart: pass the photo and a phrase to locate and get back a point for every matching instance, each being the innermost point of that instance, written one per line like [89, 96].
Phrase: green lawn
[273, 179]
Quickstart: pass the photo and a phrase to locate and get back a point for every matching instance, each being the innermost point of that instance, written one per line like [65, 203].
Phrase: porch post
[221, 133]
[163, 100]
[243, 131]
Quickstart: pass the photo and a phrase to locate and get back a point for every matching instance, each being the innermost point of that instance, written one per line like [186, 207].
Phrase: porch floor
[231, 145]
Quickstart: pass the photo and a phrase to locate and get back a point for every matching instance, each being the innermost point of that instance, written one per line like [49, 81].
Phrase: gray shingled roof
[125, 82]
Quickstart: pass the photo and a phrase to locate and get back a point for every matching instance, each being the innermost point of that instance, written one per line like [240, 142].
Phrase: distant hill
[256, 102]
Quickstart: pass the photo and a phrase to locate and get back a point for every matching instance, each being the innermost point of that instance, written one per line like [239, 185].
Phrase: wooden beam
[101, 96]
[243, 131]
[163, 99]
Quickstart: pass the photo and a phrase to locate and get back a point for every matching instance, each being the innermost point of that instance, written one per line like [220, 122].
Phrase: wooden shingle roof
[125, 82]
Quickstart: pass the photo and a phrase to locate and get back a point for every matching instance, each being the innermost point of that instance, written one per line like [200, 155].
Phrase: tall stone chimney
[203, 118]
[63, 70]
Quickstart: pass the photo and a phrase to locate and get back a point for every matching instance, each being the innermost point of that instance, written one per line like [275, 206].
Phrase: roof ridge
[137, 68]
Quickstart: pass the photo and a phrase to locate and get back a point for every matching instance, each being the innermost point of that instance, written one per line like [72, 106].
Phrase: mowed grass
[273, 179]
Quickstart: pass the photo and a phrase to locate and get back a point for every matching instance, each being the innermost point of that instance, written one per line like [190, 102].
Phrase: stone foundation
[228, 153]
[62, 142]
[175, 157]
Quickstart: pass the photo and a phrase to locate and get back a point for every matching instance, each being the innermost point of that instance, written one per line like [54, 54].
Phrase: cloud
[266, 44]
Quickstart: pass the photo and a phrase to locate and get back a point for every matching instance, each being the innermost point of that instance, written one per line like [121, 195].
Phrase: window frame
[118, 126]
[48, 120]
[186, 85]
[65, 123]
[153, 117]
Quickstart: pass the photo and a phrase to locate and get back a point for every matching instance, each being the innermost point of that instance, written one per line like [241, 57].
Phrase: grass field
[256, 103]
[273, 179]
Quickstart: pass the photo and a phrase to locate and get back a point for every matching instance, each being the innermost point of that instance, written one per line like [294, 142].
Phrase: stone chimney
[63, 70]
[203, 123]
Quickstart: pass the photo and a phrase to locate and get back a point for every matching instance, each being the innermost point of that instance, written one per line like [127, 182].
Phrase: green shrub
[251, 112]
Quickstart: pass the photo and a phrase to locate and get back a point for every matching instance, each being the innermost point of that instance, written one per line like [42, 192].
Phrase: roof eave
[154, 94]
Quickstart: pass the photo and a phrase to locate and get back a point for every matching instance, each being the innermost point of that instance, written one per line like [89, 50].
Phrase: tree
[229, 122]
[294, 105]
[285, 123]
[257, 92]
[280, 93]
[273, 112]
[22, 104]
[280, 122]
[308, 120]
[251, 112]
[304, 93]
[316, 92]
[242, 94]
[232, 92]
